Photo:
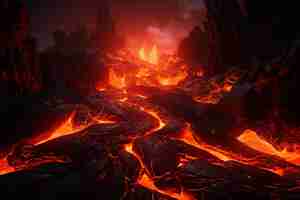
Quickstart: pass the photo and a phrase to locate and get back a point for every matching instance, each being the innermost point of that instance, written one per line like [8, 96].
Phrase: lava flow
[68, 128]
[65, 128]
[251, 139]
[146, 69]
[145, 179]
[188, 138]
[164, 74]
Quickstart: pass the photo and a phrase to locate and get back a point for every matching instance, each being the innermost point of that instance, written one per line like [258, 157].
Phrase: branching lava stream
[150, 70]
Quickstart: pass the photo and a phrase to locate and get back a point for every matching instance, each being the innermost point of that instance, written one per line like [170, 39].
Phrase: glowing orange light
[227, 88]
[187, 137]
[156, 116]
[104, 120]
[152, 57]
[172, 80]
[142, 54]
[66, 128]
[148, 183]
[4, 167]
[251, 139]
[115, 80]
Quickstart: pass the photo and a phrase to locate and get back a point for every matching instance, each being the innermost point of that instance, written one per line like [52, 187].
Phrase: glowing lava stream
[146, 181]
[188, 138]
[156, 116]
[252, 140]
[66, 128]
[144, 178]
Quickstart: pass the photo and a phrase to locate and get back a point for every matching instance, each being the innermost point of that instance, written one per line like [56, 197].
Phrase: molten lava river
[160, 129]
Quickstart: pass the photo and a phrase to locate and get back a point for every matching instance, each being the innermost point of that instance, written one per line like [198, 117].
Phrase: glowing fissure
[148, 183]
[145, 179]
[154, 114]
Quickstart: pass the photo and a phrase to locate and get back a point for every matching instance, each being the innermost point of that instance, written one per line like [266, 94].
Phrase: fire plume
[154, 70]
[152, 57]
[116, 81]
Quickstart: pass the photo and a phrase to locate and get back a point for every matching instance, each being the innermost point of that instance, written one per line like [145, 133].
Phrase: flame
[116, 81]
[152, 57]
[142, 54]
[172, 80]
[153, 72]
[251, 139]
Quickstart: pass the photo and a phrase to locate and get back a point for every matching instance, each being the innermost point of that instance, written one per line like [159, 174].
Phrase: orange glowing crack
[129, 149]
[154, 114]
[146, 181]
[252, 140]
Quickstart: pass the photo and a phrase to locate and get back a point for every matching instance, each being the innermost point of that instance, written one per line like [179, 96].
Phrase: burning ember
[151, 121]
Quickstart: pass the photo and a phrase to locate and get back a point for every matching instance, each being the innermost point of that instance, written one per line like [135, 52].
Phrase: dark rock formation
[19, 67]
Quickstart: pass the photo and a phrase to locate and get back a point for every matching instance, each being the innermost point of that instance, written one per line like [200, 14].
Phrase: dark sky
[48, 15]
